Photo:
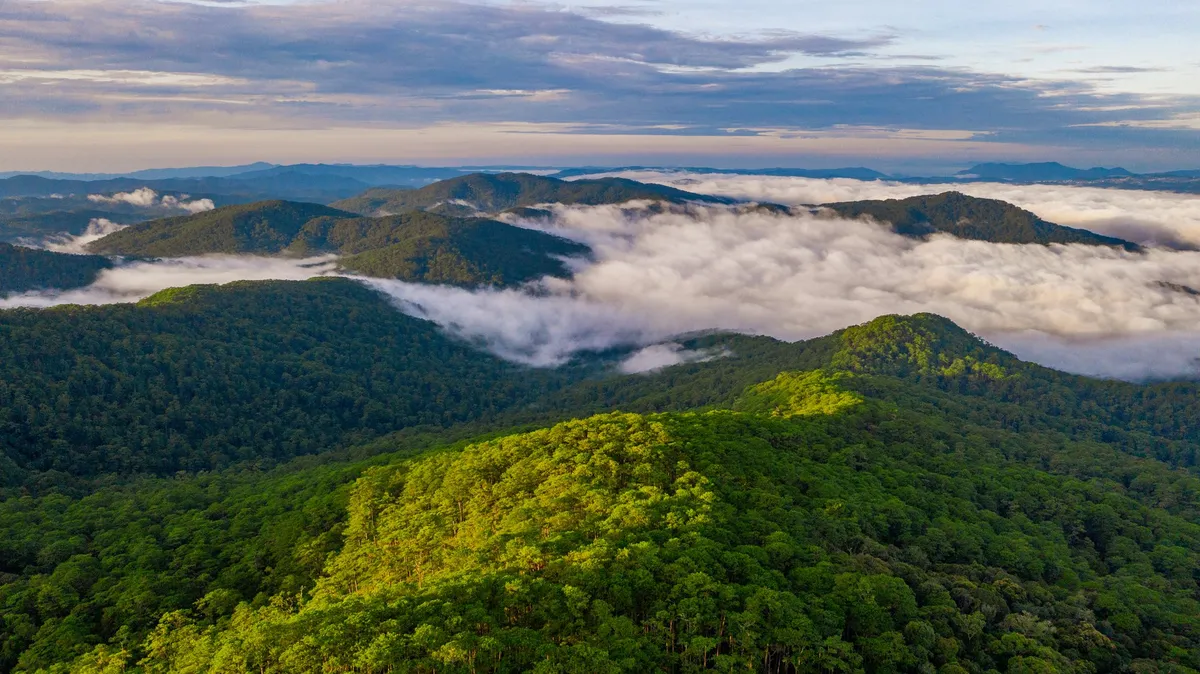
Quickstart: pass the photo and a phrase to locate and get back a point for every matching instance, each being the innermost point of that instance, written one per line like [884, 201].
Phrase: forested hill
[202, 377]
[263, 228]
[492, 193]
[414, 246]
[15, 228]
[897, 497]
[23, 269]
[969, 217]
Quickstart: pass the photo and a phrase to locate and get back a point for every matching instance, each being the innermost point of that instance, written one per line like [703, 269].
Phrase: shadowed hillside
[23, 269]
[970, 218]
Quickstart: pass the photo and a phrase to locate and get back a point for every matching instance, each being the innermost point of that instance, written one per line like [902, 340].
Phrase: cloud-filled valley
[1149, 217]
[659, 273]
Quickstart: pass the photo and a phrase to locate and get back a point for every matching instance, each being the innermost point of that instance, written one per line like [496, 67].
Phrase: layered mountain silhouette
[491, 193]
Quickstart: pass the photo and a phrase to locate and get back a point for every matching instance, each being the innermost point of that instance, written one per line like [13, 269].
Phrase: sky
[920, 86]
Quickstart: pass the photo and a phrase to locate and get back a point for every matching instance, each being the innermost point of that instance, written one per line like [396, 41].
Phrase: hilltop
[968, 217]
[897, 496]
[415, 246]
[262, 228]
[491, 193]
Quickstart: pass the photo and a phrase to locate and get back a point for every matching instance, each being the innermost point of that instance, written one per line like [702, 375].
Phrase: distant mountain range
[492, 193]
[1048, 171]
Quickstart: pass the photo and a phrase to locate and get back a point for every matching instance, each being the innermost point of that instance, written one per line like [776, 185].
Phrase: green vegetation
[262, 228]
[492, 193]
[430, 248]
[200, 378]
[970, 218]
[39, 226]
[415, 246]
[896, 497]
[23, 269]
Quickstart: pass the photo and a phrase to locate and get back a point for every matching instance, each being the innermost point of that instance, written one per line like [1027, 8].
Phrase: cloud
[145, 197]
[1087, 309]
[659, 274]
[535, 329]
[134, 281]
[377, 64]
[1154, 218]
[658, 356]
[97, 229]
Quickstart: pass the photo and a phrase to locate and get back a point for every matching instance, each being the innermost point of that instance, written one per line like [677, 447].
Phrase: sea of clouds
[655, 275]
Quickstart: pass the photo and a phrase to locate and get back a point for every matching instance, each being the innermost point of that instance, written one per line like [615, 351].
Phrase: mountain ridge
[968, 217]
[490, 193]
[414, 246]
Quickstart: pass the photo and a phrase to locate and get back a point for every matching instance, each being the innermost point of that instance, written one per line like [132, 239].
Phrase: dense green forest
[414, 246]
[23, 269]
[39, 226]
[492, 193]
[896, 497]
[969, 217]
[261, 228]
[419, 246]
[198, 378]
[891, 510]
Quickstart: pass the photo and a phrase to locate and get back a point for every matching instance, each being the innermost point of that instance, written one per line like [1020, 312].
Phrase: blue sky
[100, 85]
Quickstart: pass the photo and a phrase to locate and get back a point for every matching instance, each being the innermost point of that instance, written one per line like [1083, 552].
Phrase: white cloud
[1093, 310]
[658, 356]
[536, 329]
[145, 197]
[1142, 216]
[97, 229]
[135, 281]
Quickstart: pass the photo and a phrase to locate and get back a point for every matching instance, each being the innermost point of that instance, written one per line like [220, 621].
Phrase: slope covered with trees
[970, 218]
[419, 246]
[262, 228]
[414, 246]
[881, 513]
[492, 193]
[23, 269]
[39, 226]
[202, 377]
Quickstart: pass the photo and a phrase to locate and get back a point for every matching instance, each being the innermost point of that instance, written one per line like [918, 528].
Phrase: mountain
[378, 174]
[969, 217]
[223, 190]
[14, 228]
[147, 174]
[24, 269]
[898, 496]
[261, 228]
[429, 248]
[492, 193]
[855, 172]
[203, 377]
[1047, 171]
[415, 246]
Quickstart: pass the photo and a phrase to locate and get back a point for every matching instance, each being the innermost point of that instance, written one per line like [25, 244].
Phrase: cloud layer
[138, 280]
[1153, 218]
[656, 275]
